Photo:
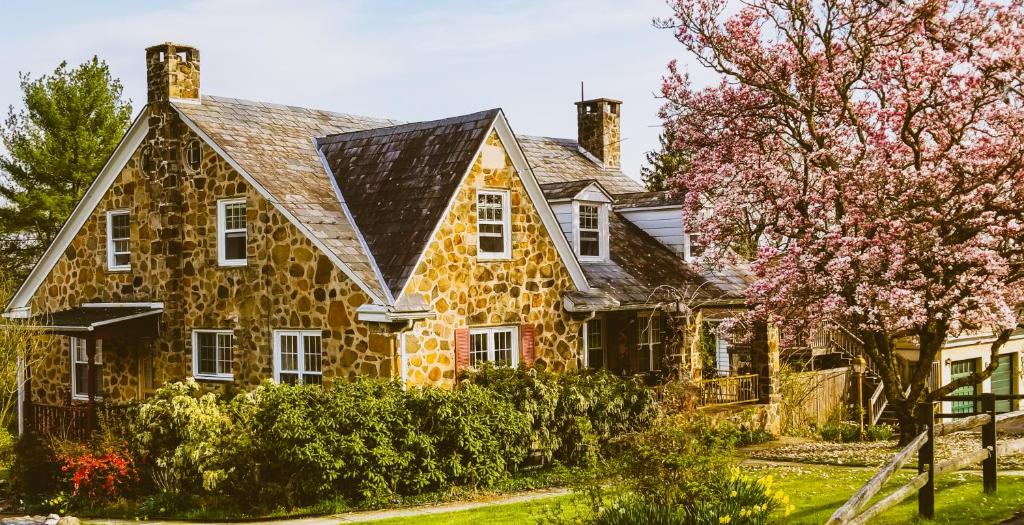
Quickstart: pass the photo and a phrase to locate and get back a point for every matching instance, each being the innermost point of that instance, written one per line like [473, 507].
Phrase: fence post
[926, 461]
[988, 440]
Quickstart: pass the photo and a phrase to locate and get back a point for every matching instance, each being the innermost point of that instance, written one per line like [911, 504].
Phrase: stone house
[235, 242]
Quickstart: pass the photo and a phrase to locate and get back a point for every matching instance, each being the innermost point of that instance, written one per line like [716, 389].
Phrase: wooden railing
[68, 421]
[928, 469]
[878, 402]
[728, 390]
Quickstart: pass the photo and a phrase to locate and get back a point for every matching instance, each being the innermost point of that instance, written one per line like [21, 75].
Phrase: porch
[95, 338]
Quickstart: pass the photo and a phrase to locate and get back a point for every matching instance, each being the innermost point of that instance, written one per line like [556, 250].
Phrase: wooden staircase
[835, 345]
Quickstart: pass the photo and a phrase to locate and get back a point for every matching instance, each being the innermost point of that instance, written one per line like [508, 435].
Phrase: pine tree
[663, 164]
[55, 146]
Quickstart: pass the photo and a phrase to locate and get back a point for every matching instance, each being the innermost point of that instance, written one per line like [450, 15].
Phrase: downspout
[400, 351]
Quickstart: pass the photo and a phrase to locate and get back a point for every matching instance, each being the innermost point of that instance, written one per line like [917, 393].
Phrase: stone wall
[288, 282]
[467, 292]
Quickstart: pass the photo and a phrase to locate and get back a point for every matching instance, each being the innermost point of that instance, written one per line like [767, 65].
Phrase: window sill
[498, 258]
[119, 269]
[232, 264]
[85, 398]
[220, 379]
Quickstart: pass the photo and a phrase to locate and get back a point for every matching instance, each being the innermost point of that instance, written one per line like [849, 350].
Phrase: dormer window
[591, 237]
[493, 239]
[694, 246]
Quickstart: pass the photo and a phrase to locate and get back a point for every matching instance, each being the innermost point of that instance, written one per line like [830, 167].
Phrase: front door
[960, 369]
[1002, 381]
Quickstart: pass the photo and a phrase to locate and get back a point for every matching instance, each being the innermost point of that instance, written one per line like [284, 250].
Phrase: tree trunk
[907, 421]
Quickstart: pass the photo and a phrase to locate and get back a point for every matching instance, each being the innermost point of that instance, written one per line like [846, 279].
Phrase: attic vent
[193, 155]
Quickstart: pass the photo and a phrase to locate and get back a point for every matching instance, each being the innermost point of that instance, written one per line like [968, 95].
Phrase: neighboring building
[235, 241]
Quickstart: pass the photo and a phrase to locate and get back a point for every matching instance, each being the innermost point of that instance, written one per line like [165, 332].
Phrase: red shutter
[527, 346]
[461, 350]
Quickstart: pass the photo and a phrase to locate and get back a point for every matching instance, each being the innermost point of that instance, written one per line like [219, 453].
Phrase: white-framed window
[591, 232]
[232, 236]
[298, 357]
[211, 354]
[498, 345]
[193, 154]
[493, 225]
[594, 338]
[119, 254]
[649, 340]
[80, 369]
[694, 246]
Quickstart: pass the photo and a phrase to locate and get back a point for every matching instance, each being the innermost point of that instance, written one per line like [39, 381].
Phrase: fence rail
[924, 446]
[728, 390]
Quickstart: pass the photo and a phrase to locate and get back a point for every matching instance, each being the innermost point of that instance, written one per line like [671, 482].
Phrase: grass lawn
[816, 491]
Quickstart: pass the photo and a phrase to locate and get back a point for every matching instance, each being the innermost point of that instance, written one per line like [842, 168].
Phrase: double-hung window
[119, 255]
[211, 354]
[298, 357]
[80, 369]
[591, 231]
[595, 343]
[493, 238]
[694, 246]
[649, 337]
[498, 345]
[232, 236]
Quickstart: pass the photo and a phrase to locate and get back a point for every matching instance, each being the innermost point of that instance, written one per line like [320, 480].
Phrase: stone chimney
[172, 72]
[598, 123]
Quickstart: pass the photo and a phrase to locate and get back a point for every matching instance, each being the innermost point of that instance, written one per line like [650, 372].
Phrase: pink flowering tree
[871, 155]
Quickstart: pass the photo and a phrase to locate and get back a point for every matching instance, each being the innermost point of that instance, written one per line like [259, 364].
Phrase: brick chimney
[598, 124]
[172, 72]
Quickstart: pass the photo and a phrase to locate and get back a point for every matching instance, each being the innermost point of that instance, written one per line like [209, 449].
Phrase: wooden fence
[924, 446]
[812, 397]
[69, 421]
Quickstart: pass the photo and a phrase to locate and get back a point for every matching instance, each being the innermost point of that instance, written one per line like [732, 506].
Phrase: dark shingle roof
[564, 190]
[86, 318]
[638, 265]
[397, 182]
[647, 199]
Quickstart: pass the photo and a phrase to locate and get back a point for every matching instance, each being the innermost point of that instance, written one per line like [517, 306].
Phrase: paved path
[366, 516]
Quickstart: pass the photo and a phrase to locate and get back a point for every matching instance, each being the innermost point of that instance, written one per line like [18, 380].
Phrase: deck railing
[67, 421]
[728, 390]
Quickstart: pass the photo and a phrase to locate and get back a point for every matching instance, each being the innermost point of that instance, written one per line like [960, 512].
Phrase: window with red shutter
[461, 349]
[527, 345]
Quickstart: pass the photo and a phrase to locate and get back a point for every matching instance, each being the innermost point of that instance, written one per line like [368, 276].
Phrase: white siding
[563, 213]
[665, 225]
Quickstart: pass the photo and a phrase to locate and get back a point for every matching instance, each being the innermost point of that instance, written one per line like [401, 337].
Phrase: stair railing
[878, 402]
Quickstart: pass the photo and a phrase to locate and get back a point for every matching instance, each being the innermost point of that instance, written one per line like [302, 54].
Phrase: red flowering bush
[99, 475]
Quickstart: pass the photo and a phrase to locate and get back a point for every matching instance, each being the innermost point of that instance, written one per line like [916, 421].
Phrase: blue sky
[399, 59]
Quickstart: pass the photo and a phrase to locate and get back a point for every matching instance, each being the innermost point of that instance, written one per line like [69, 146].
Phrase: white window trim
[490, 331]
[222, 232]
[75, 341]
[506, 225]
[195, 356]
[604, 342]
[643, 319]
[690, 257]
[300, 334]
[111, 261]
[602, 224]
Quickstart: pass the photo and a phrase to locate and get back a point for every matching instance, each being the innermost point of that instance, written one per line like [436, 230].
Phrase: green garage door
[1002, 381]
[961, 369]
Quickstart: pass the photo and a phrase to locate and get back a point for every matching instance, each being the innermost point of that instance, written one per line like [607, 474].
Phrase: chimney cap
[169, 44]
[602, 99]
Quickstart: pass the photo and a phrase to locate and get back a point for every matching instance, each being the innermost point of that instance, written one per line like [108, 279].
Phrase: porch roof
[92, 317]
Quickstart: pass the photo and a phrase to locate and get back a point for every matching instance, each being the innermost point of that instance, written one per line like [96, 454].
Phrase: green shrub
[556, 406]
[742, 501]
[633, 511]
[35, 472]
[883, 432]
[840, 432]
[357, 439]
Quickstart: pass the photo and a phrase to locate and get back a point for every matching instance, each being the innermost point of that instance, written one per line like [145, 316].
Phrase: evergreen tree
[55, 146]
[663, 164]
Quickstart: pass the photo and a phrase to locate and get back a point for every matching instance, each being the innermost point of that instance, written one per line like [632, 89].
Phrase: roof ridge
[274, 105]
[334, 138]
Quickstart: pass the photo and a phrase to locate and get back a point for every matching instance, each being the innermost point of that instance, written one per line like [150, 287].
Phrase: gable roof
[274, 145]
[560, 160]
[397, 182]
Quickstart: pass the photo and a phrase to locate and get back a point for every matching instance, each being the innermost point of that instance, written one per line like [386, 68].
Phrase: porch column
[90, 384]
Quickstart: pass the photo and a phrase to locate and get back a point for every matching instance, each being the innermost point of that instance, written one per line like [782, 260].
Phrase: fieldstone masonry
[467, 292]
